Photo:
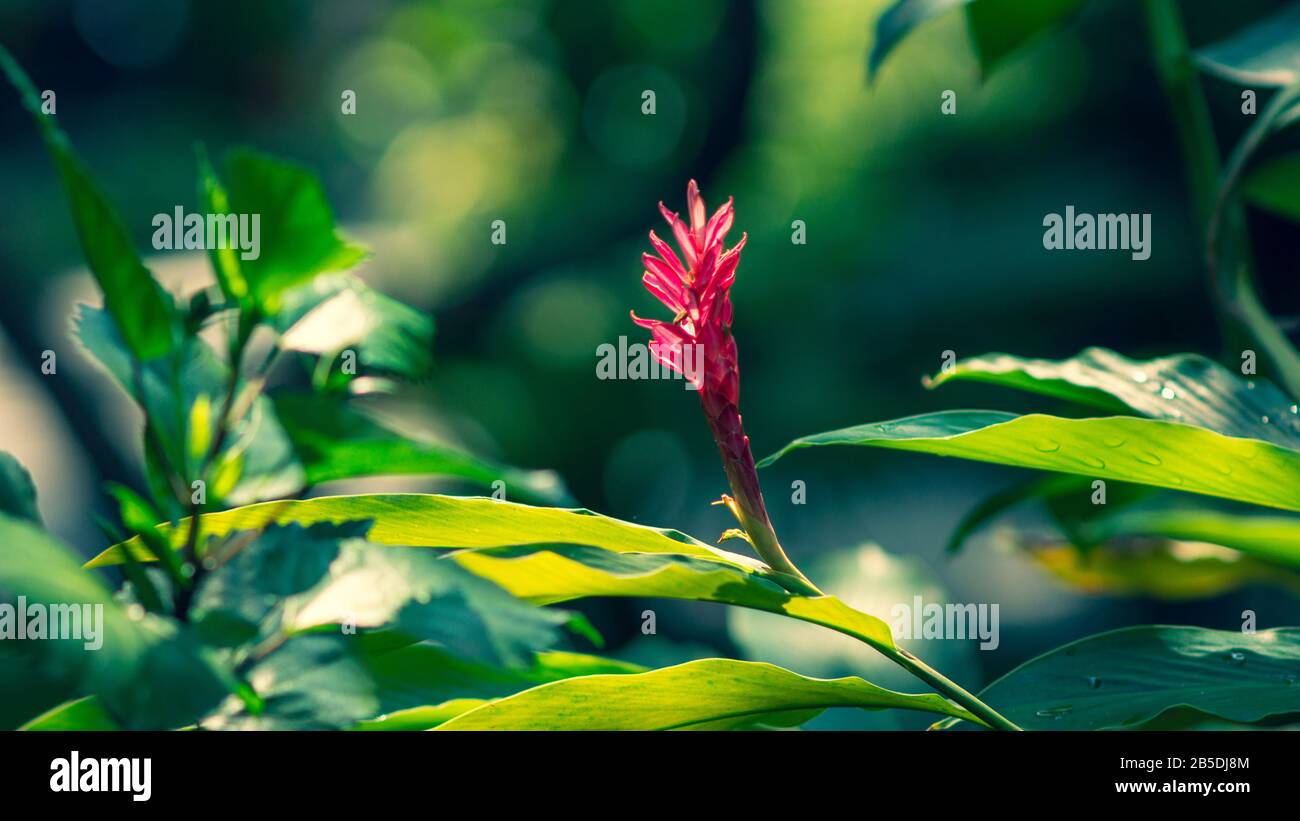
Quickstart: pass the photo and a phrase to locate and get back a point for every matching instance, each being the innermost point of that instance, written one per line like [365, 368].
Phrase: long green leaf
[427, 520]
[1273, 538]
[1124, 678]
[142, 311]
[683, 697]
[80, 714]
[1184, 388]
[417, 683]
[1156, 568]
[548, 555]
[421, 718]
[1143, 451]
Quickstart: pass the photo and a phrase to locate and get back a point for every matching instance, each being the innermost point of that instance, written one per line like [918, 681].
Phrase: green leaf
[419, 594]
[547, 555]
[1274, 185]
[312, 682]
[297, 238]
[1156, 568]
[423, 675]
[334, 441]
[1143, 451]
[1000, 27]
[997, 27]
[1264, 53]
[112, 661]
[266, 568]
[168, 388]
[141, 310]
[338, 312]
[1124, 678]
[1036, 487]
[1272, 538]
[17, 492]
[296, 579]
[1184, 388]
[898, 21]
[421, 718]
[225, 261]
[80, 714]
[426, 520]
[685, 696]
[420, 674]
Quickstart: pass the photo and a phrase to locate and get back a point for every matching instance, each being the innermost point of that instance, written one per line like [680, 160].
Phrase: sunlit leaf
[682, 697]
[549, 555]
[421, 676]
[297, 237]
[421, 718]
[426, 520]
[336, 312]
[80, 714]
[1143, 451]
[225, 260]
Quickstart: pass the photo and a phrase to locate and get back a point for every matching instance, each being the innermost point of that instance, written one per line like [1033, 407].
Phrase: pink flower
[696, 287]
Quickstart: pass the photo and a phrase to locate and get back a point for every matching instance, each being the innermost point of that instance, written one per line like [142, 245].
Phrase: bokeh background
[924, 234]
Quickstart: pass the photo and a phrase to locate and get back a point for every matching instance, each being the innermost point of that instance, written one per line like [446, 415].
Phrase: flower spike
[696, 288]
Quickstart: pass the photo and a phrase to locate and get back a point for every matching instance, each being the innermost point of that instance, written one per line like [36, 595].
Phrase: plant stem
[1172, 56]
[949, 688]
[239, 343]
[1238, 307]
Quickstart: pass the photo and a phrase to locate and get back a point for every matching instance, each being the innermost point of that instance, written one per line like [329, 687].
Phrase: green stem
[949, 688]
[1172, 56]
[764, 539]
[1238, 307]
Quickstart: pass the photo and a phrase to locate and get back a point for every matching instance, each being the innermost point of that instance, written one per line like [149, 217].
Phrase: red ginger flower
[699, 295]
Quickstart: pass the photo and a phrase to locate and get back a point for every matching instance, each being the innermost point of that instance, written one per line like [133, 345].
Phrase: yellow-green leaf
[685, 696]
